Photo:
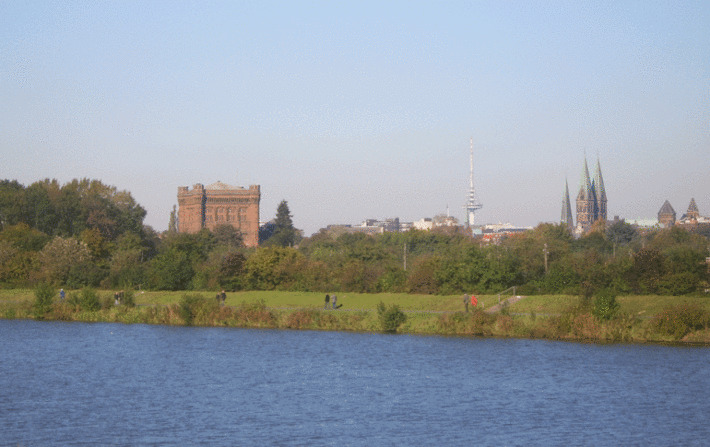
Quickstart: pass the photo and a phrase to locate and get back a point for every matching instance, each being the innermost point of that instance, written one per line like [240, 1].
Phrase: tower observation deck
[472, 204]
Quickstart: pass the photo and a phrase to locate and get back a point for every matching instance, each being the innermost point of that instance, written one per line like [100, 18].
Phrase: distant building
[692, 215]
[691, 219]
[387, 225]
[591, 199]
[444, 220]
[220, 204]
[493, 233]
[394, 225]
[425, 223]
[591, 203]
[643, 223]
[666, 215]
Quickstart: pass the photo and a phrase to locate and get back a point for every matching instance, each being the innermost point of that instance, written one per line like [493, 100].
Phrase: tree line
[85, 233]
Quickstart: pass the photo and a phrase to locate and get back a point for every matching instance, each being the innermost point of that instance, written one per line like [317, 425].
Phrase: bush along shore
[597, 319]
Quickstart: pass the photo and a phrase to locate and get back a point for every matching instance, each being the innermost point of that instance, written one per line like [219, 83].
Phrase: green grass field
[545, 316]
[538, 304]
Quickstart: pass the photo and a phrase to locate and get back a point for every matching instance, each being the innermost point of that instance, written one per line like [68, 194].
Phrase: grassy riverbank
[559, 317]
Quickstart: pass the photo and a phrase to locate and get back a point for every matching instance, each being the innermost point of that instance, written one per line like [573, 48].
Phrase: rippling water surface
[112, 384]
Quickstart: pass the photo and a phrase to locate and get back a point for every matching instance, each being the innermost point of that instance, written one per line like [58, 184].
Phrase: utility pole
[405, 256]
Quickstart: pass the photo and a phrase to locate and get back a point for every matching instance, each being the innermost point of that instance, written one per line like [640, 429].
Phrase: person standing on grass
[327, 300]
[335, 300]
[61, 294]
[466, 299]
[223, 297]
[474, 300]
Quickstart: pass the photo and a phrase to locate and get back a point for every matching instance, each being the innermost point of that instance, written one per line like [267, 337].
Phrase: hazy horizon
[363, 110]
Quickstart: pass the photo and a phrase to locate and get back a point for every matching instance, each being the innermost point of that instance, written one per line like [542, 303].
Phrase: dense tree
[462, 269]
[423, 276]
[228, 236]
[127, 268]
[12, 203]
[621, 233]
[171, 270]
[24, 238]
[59, 256]
[41, 212]
[273, 268]
[231, 270]
[647, 271]
[284, 235]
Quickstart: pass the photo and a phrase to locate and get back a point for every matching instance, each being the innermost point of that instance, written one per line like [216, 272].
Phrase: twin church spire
[591, 203]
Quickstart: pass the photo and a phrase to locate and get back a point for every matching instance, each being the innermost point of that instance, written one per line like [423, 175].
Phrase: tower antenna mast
[472, 205]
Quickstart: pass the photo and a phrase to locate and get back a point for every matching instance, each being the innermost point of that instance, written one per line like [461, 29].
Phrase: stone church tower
[591, 200]
[220, 204]
[566, 217]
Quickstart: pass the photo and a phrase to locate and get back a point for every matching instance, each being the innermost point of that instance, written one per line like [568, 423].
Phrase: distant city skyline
[362, 110]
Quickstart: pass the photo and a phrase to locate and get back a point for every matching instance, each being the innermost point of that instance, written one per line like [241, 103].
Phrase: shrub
[44, 293]
[585, 326]
[255, 314]
[129, 298]
[189, 306]
[107, 302]
[680, 320]
[391, 318]
[88, 299]
[300, 319]
[605, 305]
[504, 323]
[679, 284]
[476, 322]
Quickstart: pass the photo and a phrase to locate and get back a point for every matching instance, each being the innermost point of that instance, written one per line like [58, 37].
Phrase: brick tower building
[666, 215]
[220, 204]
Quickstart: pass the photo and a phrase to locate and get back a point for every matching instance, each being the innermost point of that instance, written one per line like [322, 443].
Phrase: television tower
[472, 205]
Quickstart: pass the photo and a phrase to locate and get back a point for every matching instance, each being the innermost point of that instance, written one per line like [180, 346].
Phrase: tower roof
[692, 208]
[666, 208]
[566, 207]
[599, 183]
[222, 186]
[585, 188]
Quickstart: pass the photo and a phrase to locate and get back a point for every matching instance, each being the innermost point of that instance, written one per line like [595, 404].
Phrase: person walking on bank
[335, 300]
[327, 300]
[465, 301]
[223, 297]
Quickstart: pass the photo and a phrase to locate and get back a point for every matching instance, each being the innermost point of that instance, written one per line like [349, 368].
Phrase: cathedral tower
[600, 192]
[567, 209]
[591, 200]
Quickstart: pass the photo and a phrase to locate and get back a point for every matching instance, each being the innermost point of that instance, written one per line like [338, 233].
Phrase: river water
[114, 384]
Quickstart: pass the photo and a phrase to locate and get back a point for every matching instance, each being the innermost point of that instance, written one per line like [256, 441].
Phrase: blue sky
[354, 110]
